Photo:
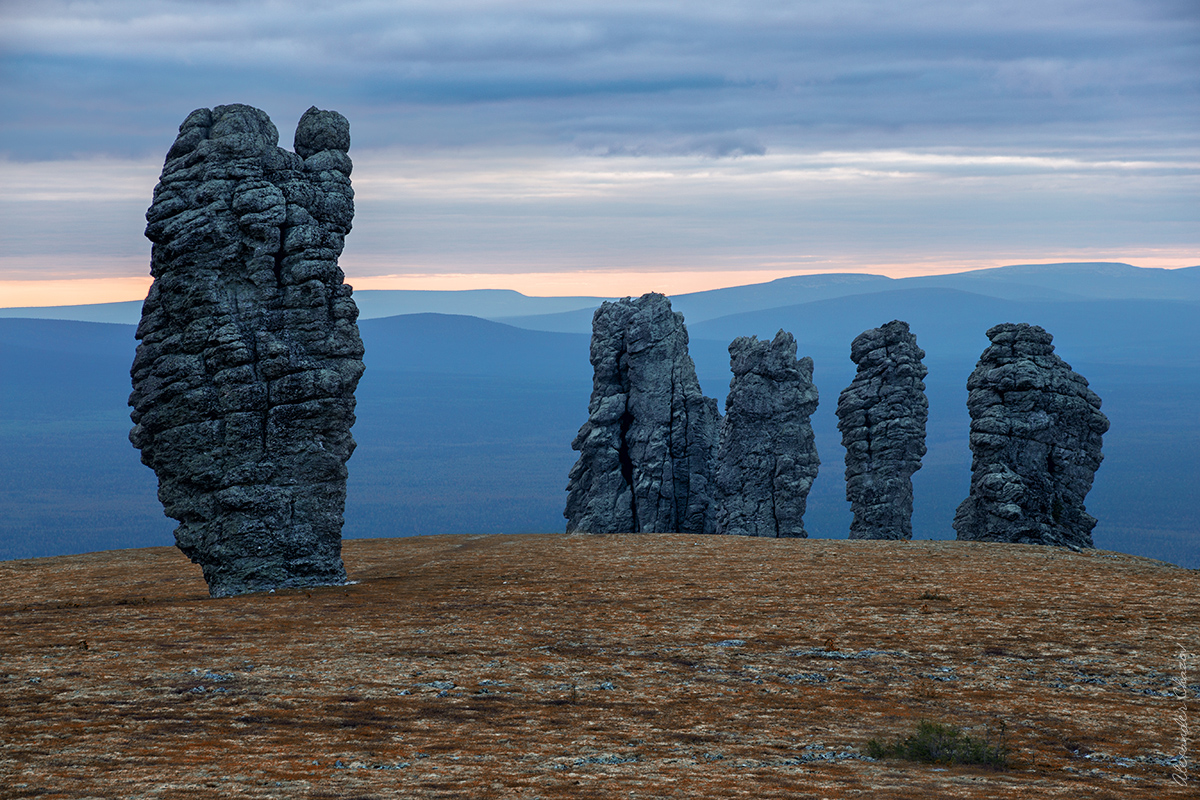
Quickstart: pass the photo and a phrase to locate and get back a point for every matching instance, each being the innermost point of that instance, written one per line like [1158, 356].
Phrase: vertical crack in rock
[882, 415]
[1036, 434]
[767, 459]
[646, 449]
[249, 354]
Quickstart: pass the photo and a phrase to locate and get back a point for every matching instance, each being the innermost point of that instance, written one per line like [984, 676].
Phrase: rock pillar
[249, 354]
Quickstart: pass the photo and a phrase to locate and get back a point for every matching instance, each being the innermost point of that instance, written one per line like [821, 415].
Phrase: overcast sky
[556, 146]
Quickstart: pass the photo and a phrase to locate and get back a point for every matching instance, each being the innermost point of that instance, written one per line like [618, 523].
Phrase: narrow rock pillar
[767, 460]
[882, 416]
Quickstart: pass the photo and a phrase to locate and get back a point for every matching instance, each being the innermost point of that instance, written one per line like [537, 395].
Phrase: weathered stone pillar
[882, 416]
[767, 460]
[1036, 434]
[243, 383]
[646, 449]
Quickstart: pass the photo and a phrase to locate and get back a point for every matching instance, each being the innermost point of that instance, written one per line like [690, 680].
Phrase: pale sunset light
[605, 150]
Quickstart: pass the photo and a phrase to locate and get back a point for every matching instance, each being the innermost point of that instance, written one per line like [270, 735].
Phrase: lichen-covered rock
[767, 459]
[243, 383]
[882, 415]
[646, 449]
[1036, 433]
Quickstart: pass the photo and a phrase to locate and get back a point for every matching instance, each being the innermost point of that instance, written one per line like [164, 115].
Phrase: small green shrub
[934, 743]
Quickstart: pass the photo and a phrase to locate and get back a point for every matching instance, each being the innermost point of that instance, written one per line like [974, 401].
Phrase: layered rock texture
[767, 459]
[646, 450]
[1036, 433]
[243, 383]
[882, 415]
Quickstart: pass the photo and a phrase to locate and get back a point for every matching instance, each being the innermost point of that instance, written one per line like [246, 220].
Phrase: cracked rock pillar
[882, 416]
[1036, 434]
[646, 449]
[249, 354]
[767, 460]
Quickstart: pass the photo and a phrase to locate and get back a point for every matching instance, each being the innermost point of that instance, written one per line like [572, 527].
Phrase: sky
[610, 148]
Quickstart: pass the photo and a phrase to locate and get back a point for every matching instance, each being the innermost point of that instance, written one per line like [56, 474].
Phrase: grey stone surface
[249, 354]
[646, 450]
[767, 458]
[1036, 433]
[882, 415]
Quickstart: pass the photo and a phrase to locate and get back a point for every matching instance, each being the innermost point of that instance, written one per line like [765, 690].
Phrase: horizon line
[52, 292]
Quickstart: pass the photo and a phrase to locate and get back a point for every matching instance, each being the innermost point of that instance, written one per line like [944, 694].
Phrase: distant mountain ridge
[464, 424]
[1069, 282]
[1065, 281]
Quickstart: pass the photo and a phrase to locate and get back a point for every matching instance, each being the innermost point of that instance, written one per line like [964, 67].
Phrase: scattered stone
[805, 677]
[243, 383]
[646, 449]
[767, 459]
[882, 415]
[838, 655]
[611, 759]
[1036, 434]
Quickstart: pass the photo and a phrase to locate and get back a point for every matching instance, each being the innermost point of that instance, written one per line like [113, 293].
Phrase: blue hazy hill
[954, 323]
[372, 304]
[1134, 353]
[464, 424]
[1068, 281]
[1044, 282]
[458, 344]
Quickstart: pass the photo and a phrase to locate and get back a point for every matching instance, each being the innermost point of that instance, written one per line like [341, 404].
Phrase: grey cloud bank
[604, 76]
[650, 135]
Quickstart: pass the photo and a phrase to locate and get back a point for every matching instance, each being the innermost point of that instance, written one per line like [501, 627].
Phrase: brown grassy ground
[615, 666]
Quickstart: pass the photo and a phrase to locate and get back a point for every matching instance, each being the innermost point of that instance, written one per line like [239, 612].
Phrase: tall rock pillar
[646, 449]
[767, 460]
[1036, 433]
[882, 415]
[249, 354]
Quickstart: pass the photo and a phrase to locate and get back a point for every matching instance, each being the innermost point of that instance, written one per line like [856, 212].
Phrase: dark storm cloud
[623, 78]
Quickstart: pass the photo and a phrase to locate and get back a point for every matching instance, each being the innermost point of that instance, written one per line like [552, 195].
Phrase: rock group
[1036, 433]
[882, 416]
[655, 456]
[647, 447]
[249, 354]
[767, 458]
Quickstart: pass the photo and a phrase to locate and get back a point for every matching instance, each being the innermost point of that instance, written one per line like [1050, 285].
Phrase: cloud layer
[716, 78]
[632, 135]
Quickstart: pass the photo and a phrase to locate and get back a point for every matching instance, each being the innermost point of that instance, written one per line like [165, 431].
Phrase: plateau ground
[556, 666]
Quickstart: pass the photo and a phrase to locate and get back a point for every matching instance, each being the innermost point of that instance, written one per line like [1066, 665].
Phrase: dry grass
[616, 666]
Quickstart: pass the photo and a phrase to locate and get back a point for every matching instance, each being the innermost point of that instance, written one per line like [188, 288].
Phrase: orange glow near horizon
[72, 291]
[594, 283]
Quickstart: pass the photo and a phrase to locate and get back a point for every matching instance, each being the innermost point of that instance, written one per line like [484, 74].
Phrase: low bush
[934, 743]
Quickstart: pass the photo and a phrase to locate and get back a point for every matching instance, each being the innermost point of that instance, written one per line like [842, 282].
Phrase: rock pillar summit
[767, 459]
[249, 354]
[882, 415]
[1036, 433]
[646, 450]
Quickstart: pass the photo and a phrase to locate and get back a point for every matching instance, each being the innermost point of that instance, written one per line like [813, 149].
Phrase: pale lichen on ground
[584, 666]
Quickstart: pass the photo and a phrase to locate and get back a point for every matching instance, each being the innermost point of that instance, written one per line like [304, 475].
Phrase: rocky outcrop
[646, 449]
[882, 415]
[767, 459]
[1036, 432]
[243, 383]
